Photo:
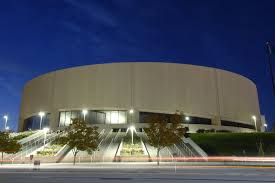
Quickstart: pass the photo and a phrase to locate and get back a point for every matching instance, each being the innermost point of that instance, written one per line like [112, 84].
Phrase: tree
[8, 145]
[164, 131]
[80, 137]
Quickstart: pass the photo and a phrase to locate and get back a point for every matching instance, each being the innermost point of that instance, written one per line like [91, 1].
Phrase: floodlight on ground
[265, 125]
[7, 128]
[46, 129]
[131, 111]
[187, 118]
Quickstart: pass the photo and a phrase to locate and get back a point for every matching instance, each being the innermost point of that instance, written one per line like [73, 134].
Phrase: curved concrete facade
[144, 86]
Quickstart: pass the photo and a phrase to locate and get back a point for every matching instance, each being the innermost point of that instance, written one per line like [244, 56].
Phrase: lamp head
[254, 117]
[132, 128]
[131, 111]
[6, 117]
[84, 111]
[41, 114]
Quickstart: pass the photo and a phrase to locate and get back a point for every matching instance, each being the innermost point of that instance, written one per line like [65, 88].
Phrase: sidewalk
[138, 165]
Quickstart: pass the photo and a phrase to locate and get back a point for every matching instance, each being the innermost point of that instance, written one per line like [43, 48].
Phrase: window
[122, 117]
[62, 118]
[68, 118]
[100, 117]
[236, 124]
[74, 115]
[189, 120]
[144, 115]
[93, 117]
[33, 122]
[196, 120]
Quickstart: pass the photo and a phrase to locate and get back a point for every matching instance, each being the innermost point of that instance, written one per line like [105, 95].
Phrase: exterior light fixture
[41, 114]
[84, 112]
[131, 111]
[187, 118]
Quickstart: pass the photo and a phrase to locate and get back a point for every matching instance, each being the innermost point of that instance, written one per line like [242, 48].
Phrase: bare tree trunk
[158, 155]
[75, 153]
[74, 158]
[158, 149]
[2, 158]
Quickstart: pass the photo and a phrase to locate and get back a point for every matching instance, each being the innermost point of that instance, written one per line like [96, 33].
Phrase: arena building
[118, 95]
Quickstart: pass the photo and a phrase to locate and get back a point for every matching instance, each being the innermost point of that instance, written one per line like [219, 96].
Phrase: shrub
[200, 130]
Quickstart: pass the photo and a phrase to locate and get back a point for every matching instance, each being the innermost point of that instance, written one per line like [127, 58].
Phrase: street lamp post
[187, 119]
[84, 112]
[132, 128]
[131, 112]
[6, 121]
[45, 135]
[255, 122]
[265, 125]
[41, 114]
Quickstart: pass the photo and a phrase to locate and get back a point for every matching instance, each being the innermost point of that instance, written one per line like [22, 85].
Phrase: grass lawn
[238, 144]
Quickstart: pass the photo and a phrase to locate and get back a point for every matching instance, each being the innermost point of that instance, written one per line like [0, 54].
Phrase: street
[133, 173]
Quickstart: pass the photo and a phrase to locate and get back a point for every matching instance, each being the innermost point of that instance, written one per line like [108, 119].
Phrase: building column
[216, 120]
[54, 119]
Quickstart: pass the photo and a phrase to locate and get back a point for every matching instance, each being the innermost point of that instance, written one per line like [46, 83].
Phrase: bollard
[36, 165]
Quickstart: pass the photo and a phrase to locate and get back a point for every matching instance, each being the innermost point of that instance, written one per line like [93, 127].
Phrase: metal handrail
[36, 143]
[31, 137]
[187, 149]
[195, 147]
[101, 143]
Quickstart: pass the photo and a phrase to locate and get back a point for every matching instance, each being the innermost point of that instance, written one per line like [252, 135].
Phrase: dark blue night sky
[40, 36]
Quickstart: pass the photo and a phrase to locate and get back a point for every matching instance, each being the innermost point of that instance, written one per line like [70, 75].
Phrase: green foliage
[212, 131]
[49, 150]
[130, 149]
[22, 135]
[80, 137]
[8, 145]
[128, 138]
[238, 144]
[163, 134]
